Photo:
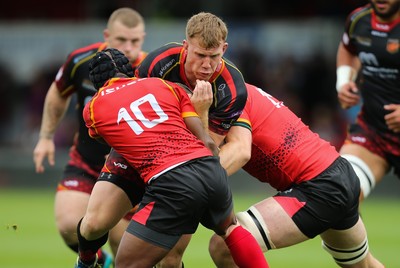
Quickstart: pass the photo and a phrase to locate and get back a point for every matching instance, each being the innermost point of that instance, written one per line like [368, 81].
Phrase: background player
[318, 190]
[125, 31]
[370, 48]
[153, 124]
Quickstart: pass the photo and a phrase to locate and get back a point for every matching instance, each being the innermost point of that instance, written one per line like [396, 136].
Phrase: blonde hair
[127, 16]
[211, 29]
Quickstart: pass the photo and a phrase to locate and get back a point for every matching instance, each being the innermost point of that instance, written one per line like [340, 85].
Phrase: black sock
[74, 247]
[89, 248]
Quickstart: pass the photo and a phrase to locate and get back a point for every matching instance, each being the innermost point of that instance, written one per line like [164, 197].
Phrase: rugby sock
[74, 247]
[245, 250]
[89, 249]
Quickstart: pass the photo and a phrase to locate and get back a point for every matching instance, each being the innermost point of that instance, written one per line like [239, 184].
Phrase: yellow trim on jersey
[357, 18]
[241, 122]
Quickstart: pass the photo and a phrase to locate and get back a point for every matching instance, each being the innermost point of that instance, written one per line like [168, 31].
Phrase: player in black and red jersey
[201, 57]
[153, 125]
[317, 189]
[125, 31]
[370, 48]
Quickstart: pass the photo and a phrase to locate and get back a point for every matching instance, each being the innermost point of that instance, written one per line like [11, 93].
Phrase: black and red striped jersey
[73, 77]
[377, 45]
[167, 62]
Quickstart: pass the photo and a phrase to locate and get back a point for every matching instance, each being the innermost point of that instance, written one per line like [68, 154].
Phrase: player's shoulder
[230, 66]
[168, 49]
[360, 12]
[87, 51]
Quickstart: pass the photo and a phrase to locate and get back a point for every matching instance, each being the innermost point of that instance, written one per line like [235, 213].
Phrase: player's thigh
[70, 206]
[135, 252]
[174, 257]
[283, 231]
[107, 205]
[378, 165]
[346, 239]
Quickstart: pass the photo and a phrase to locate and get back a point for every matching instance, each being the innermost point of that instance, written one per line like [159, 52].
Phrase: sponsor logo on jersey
[392, 45]
[71, 183]
[221, 90]
[380, 34]
[165, 67]
[368, 58]
[120, 165]
[105, 175]
[359, 139]
[382, 27]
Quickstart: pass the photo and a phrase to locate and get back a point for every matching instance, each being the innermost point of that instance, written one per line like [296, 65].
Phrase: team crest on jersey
[392, 45]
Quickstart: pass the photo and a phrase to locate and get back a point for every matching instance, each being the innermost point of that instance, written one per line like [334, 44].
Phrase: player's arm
[346, 73]
[236, 152]
[196, 127]
[54, 110]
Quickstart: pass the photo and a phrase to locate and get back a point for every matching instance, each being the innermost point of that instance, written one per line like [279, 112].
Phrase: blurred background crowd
[288, 48]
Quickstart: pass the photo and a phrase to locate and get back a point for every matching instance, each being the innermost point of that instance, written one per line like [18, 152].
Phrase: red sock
[245, 250]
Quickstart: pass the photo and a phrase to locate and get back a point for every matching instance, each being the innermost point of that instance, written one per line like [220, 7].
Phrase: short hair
[210, 28]
[127, 16]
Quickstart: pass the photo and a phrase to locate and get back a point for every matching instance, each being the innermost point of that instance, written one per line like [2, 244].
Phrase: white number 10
[135, 108]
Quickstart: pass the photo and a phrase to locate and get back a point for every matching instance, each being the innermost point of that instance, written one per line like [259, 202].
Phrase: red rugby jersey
[284, 150]
[142, 119]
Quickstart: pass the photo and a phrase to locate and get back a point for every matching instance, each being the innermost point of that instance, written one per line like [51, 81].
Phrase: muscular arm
[55, 107]
[348, 66]
[236, 152]
[344, 57]
[196, 127]
[54, 110]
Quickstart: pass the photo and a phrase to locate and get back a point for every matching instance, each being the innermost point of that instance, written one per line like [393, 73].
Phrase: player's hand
[202, 97]
[44, 148]
[348, 95]
[393, 117]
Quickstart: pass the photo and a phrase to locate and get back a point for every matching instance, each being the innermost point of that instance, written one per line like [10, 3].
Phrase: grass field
[28, 237]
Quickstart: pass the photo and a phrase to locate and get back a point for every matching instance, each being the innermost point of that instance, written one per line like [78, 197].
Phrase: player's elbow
[245, 156]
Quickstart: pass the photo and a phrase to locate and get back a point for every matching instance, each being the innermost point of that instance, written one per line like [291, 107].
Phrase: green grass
[28, 236]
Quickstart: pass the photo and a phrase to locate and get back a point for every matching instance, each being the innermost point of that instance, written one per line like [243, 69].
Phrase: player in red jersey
[125, 31]
[153, 125]
[199, 57]
[318, 190]
[368, 69]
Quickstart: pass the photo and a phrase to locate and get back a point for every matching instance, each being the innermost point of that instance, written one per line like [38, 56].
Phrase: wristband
[344, 74]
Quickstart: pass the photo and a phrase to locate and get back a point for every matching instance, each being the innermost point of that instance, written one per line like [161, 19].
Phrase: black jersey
[377, 45]
[227, 83]
[73, 77]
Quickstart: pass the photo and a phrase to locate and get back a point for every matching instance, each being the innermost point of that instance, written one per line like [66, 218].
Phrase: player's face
[201, 62]
[127, 40]
[387, 10]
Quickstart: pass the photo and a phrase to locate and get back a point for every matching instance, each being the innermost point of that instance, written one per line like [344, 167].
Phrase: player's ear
[225, 47]
[106, 34]
[185, 44]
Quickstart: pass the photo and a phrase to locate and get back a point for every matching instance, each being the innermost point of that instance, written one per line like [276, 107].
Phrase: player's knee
[254, 223]
[348, 256]
[219, 251]
[364, 173]
[91, 228]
